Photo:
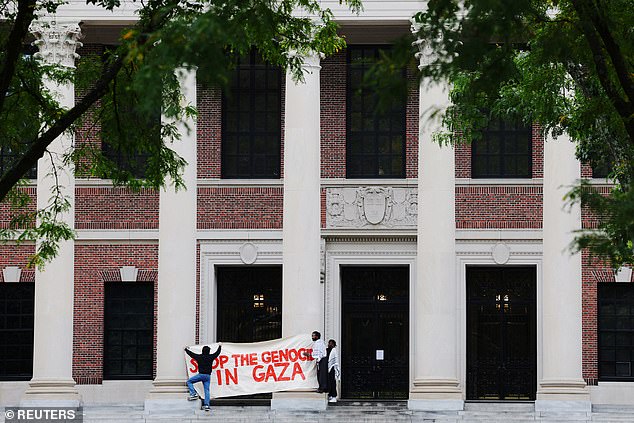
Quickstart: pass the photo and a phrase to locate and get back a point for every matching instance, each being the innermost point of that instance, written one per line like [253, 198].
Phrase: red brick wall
[486, 207]
[91, 261]
[240, 207]
[88, 132]
[411, 125]
[8, 212]
[333, 116]
[208, 129]
[116, 208]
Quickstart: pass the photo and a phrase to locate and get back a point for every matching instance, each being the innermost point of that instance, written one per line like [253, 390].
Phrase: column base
[299, 400]
[436, 395]
[563, 395]
[53, 392]
[169, 396]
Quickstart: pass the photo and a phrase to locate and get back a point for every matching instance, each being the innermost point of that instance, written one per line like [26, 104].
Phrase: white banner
[271, 366]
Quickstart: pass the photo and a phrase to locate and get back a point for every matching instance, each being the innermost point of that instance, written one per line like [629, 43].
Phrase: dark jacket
[204, 361]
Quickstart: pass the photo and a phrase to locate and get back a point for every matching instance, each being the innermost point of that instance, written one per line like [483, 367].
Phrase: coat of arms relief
[371, 207]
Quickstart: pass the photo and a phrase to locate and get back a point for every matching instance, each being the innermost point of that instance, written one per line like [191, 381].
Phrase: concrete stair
[357, 411]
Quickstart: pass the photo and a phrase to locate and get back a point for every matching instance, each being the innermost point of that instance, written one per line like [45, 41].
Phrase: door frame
[402, 307]
[226, 252]
[533, 269]
[532, 257]
[351, 251]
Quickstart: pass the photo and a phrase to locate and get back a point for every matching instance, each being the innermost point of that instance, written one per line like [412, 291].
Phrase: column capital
[425, 54]
[57, 40]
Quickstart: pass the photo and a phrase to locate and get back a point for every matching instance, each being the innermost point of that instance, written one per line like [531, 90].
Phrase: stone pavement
[349, 412]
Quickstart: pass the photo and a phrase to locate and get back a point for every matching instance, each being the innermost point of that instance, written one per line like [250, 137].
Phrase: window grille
[616, 331]
[375, 140]
[128, 330]
[504, 151]
[252, 120]
[16, 330]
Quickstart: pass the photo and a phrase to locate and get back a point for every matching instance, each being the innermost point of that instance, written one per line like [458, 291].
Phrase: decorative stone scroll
[57, 40]
[371, 207]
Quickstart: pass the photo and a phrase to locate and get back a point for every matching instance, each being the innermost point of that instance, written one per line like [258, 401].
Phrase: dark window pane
[616, 330]
[16, 330]
[257, 87]
[381, 132]
[504, 151]
[128, 330]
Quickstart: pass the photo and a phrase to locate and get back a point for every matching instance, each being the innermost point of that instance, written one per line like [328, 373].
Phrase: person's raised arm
[217, 353]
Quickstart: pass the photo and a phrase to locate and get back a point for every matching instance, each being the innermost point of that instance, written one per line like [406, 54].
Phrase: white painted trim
[395, 182]
[233, 234]
[358, 254]
[226, 253]
[117, 235]
[526, 253]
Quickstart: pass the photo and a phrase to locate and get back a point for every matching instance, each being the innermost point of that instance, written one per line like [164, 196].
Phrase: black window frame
[17, 313]
[371, 154]
[133, 162]
[262, 160]
[110, 354]
[612, 331]
[500, 129]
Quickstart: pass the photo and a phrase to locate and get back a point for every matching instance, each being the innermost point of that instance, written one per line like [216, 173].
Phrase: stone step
[349, 413]
[496, 407]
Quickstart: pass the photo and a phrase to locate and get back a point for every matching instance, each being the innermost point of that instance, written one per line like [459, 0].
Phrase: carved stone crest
[373, 207]
[373, 202]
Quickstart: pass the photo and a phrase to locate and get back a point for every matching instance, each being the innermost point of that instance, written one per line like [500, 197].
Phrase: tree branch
[23, 19]
[614, 50]
[623, 108]
[38, 146]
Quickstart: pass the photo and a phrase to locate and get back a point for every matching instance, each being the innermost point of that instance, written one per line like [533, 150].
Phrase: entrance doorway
[375, 332]
[501, 333]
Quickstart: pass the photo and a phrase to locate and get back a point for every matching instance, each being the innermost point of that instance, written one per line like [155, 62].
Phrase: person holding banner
[319, 355]
[334, 373]
[205, 362]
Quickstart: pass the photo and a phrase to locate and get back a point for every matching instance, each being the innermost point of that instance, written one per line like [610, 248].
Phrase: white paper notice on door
[379, 354]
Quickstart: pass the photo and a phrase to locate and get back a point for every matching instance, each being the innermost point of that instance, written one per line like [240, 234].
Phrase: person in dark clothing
[205, 362]
[319, 355]
[334, 373]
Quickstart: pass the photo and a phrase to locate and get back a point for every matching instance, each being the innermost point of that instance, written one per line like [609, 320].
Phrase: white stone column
[435, 385]
[176, 325]
[302, 291]
[52, 383]
[561, 385]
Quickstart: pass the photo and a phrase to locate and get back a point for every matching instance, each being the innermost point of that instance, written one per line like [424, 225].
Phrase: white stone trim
[11, 274]
[226, 253]
[359, 254]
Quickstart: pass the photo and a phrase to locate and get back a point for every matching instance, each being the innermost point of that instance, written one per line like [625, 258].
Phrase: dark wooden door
[375, 332]
[501, 333]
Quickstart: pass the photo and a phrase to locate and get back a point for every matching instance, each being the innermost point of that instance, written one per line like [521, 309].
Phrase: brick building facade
[448, 273]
